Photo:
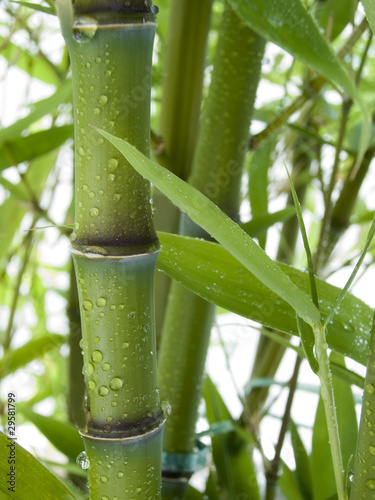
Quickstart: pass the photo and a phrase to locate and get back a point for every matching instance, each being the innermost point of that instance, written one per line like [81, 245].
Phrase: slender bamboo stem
[114, 245]
[363, 477]
[222, 145]
[180, 111]
[326, 391]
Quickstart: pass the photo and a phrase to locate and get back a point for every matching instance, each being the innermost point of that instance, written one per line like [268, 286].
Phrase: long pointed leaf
[206, 214]
[33, 480]
[211, 272]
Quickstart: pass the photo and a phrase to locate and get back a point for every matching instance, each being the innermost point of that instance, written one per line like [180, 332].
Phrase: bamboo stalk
[363, 478]
[115, 246]
[217, 171]
[180, 111]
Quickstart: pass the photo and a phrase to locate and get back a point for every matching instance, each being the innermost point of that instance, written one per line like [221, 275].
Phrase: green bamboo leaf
[308, 341]
[335, 15]
[212, 488]
[354, 273]
[63, 435]
[36, 66]
[322, 471]
[258, 181]
[258, 225]
[303, 467]
[32, 146]
[206, 214]
[369, 6]
[38, 110]
[34, 349]
[211, 272]
[288, 484]
[231, 457]
[288, 24]
[37, 7]
[33, 480]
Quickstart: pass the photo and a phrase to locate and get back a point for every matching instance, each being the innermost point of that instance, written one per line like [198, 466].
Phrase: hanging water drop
[84, 28]
[83, 461]
[166, 408]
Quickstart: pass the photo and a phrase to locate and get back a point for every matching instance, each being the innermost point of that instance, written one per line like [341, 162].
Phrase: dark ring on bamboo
[175, 465]
[126, 439]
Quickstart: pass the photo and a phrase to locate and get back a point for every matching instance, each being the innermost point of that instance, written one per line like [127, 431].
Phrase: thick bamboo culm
[216, 171]
[115, 246]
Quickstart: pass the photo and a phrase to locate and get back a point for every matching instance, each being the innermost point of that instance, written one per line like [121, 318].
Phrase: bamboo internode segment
[114, 244]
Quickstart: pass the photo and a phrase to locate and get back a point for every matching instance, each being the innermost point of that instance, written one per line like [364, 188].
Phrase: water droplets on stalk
[83, 461]
[97, 356]
[84, 28]
[116, 384]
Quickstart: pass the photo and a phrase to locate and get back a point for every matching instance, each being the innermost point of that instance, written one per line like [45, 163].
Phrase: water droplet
[106, 367]
[370, 484]
[111, 177]
[96, 111]
[103, 390]
[94, 212]
[73, 236]
[372, 450]
[91, 385]
[103, 479]
[120, 474]
[87, 65]
[98, 60]
[115, 384]
[96, 340]
[83, 461]
[109, 419]
[97, 356]
[125, 345]
[112, 164]
[102, 99]
[121, 307]
[90, 368]
[166, 408]
[87, 305]
[92, 88]
[112, 307]
[85, 187]
[81, 151]
[100, 192]
[97, 178]
[91, 195]
[116, 197]
[131, 315]
[101, 302]
[104, 497]
[370, 389]
[146, 328]
[84, 28]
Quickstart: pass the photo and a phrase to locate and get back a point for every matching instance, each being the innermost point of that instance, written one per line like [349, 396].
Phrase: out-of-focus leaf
[64, 436]
[193, 494]
[369, 6]
[335, 15]
[207, 215]
[36, 66]
[11, 211]
[37, 7]
[258, 166]
[211, 272]
[288, 24]
[32, 146]
[33, 480]
[288, 485]
[322, 470]
[38, 110]
[231, 457]
[258, 225]
[34, 349]
[303, 467]
[212, 490]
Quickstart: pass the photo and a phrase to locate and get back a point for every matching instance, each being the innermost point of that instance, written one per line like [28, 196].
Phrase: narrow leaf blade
[206, 214]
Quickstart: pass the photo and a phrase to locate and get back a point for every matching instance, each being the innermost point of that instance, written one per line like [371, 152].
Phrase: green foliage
[315, 69]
